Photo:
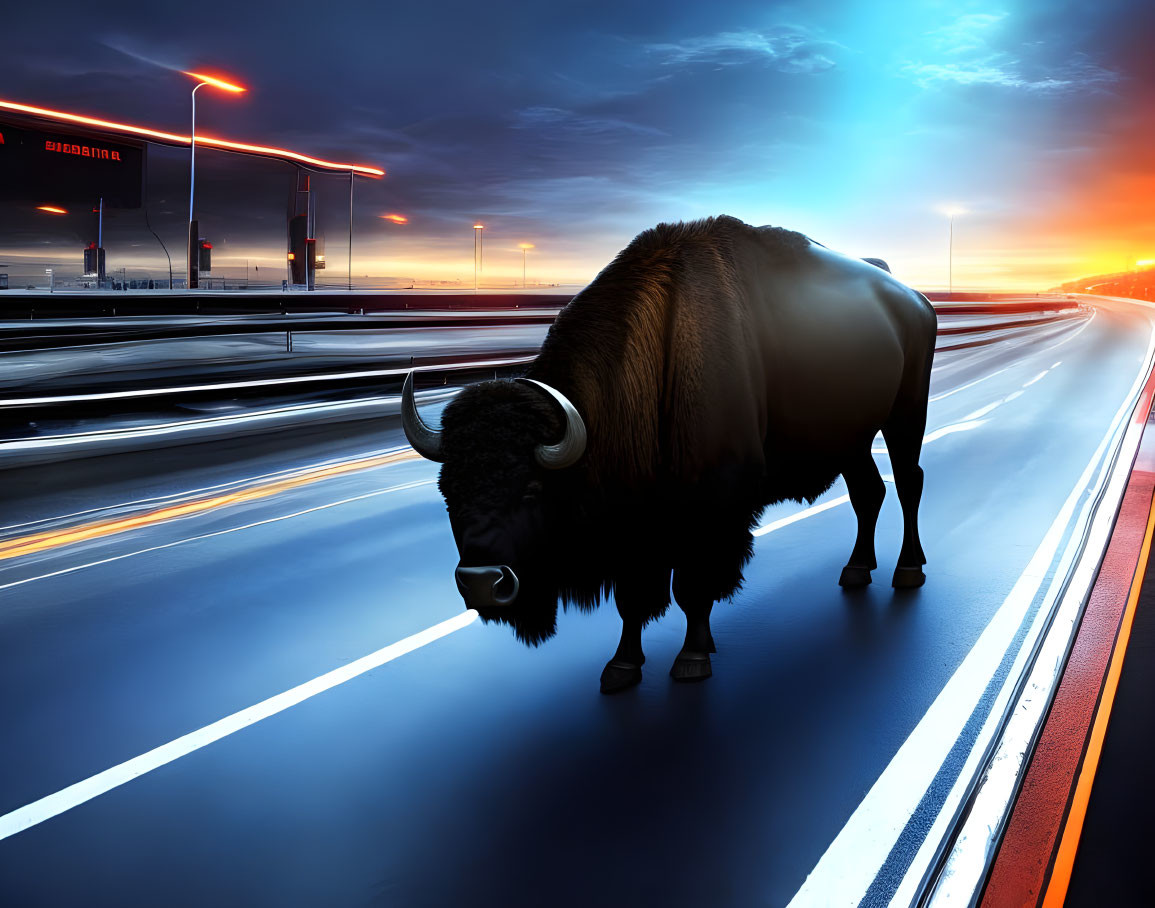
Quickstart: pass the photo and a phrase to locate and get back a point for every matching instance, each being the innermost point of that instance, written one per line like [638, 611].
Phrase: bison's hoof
[691, 667]
[907, 578]
[618, 676]
[854, 577]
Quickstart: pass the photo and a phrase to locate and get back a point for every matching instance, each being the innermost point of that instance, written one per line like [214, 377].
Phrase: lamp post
[193, 249]
[350, 287]
[524, 247]
[478, 252]
[950, 212]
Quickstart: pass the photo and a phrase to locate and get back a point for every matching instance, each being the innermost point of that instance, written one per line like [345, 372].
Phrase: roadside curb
[967, 854]
[1036, 855]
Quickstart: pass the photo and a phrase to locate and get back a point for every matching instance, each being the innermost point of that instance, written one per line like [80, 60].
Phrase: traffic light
[204, 255]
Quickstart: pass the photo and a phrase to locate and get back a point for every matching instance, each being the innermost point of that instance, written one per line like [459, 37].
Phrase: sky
[574, 126]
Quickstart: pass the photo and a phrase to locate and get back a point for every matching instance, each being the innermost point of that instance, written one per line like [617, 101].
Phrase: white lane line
[964, 426]
[247, 526]
[54, 804]
[945, 394]
[967, 863]
[860, 850]
[801, 515]
[1036, 378]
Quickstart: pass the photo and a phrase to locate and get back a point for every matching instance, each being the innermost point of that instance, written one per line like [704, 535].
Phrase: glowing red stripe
[184, 140]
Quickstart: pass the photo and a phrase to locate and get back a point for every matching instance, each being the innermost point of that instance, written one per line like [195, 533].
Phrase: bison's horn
[425, 441]
[567, 451]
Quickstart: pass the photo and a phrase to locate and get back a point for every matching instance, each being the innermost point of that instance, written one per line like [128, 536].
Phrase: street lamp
[950, 212]
[202, 80]
[524, 247]
[478, 252]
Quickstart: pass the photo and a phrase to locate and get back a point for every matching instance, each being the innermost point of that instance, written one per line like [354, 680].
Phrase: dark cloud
[573, 126]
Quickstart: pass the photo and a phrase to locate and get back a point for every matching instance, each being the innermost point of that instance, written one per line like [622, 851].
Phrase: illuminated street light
[51, 209]
[478, 252]
[395, 218]
[524, 247]
[951, 211]
[202, 80]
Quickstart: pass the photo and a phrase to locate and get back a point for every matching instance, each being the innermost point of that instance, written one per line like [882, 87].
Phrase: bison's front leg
[638, 598]
[625, 668]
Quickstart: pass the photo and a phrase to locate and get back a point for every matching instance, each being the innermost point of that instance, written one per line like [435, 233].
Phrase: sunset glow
[395, 218]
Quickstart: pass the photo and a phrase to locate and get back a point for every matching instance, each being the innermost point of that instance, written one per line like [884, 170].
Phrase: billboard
[49, 166]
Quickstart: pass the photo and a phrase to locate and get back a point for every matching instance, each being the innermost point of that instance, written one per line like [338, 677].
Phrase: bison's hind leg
[866, 494]
[903, 434]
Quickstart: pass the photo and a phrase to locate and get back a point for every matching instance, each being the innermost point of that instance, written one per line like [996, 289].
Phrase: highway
[148, 596]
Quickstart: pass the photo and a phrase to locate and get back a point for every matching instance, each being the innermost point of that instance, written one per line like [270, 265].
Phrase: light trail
[53, 539]
[248, 526]
[174, 139]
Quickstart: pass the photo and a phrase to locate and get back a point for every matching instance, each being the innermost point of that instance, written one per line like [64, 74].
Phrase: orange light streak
[173, 138]
[396, 218]
[53, 539]
[51, 209]
[214, 81]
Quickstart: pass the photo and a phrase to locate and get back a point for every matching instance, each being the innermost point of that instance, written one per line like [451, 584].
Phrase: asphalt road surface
[143, 598]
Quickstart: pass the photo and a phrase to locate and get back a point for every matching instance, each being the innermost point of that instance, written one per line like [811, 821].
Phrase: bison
[712, 369]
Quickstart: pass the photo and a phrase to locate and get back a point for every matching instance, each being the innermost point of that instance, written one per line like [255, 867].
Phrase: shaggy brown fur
[718, 368]
[633, 352]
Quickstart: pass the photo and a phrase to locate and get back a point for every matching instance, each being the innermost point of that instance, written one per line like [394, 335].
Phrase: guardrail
[323, 352]
[17, 306]
[361, 389]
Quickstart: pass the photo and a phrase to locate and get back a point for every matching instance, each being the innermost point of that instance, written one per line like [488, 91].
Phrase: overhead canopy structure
[167, 138]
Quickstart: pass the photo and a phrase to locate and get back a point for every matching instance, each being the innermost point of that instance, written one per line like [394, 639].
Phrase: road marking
[53, 539]
[1036, 378]
[801, 515]
[861, 849]
[247, 526]
[990, 375]
[74, 795]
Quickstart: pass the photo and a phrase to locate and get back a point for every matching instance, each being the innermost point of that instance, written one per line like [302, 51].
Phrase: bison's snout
[485, 587]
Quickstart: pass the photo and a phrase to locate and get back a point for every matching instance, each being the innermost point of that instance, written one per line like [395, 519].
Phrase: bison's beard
[533, 616]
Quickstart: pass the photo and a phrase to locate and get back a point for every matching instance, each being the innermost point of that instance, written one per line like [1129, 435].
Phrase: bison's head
[505, 447]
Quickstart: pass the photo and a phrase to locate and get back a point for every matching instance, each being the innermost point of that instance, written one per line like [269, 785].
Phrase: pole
[100, 275]
[350, 228]
[950, 259]
[523, 252]
[192, 171]
[475, 231]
